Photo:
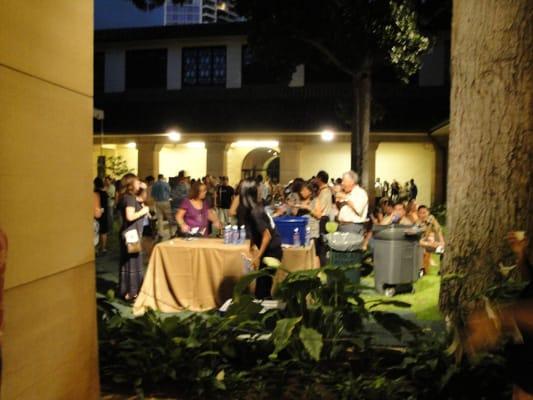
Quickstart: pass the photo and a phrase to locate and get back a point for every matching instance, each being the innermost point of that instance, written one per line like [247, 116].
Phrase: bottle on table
[296, 238]
[242, 235]
[234, 234]
[227, 234]
[307, 235]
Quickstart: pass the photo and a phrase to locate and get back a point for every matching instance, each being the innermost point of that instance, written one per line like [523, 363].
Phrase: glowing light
[196, 145]
[327, 135]
[255, 143]
[131, 145]
[109, 146]
[174, 136]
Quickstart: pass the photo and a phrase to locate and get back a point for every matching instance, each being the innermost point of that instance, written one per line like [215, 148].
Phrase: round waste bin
[397, 257]
[345, 251]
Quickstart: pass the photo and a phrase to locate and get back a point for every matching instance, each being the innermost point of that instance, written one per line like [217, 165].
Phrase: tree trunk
[362, 92]
[490, 149]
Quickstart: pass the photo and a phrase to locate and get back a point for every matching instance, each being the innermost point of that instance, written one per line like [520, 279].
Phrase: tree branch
[332, 58]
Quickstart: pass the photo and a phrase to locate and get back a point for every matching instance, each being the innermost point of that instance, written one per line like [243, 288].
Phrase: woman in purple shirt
[194, 212]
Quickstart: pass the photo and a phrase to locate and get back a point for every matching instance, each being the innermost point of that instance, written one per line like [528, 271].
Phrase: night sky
[110, 14]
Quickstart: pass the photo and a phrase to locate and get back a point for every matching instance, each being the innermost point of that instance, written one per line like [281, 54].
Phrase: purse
[133, 242]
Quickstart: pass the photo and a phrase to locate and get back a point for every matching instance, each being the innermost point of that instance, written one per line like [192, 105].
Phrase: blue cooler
[286, 225]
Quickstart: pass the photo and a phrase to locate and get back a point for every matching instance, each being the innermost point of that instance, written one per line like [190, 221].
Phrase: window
[99, 71]
[204, 66]
[146, 69]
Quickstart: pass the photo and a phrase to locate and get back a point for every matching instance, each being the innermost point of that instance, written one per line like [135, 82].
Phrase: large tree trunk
[362, 92]
[490, 151]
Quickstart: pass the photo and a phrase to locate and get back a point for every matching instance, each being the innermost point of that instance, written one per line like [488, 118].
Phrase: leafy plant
[317, 345]
[117, 167]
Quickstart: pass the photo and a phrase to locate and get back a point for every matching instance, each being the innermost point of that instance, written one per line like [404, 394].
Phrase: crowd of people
[157, 209]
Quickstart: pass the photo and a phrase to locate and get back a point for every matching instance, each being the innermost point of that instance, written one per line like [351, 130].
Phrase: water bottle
[296, 238]
[307, 235]
[227, 234]
[234, 235]
[242, 235]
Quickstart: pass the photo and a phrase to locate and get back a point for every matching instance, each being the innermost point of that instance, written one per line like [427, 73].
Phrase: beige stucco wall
[50, 349]
[173, 158]
[403, 161]
[334, 158]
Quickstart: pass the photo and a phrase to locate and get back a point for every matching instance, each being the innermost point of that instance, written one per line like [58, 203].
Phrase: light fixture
[327, 135]
[131, 145]
[196, 145]
[255, 143]
[174, 136]
[109, 146]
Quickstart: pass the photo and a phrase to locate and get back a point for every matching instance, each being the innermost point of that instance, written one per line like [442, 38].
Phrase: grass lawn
[424, 301]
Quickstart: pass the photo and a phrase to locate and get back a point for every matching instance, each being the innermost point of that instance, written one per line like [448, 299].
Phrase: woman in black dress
[131, 271]
[262, 232]
[103, 220]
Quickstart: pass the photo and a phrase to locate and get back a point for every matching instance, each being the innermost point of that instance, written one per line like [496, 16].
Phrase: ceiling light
[131, 145]
[174, 136]
[327, 135]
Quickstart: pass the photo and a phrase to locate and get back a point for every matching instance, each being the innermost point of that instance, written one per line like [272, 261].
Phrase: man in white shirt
[352, 203]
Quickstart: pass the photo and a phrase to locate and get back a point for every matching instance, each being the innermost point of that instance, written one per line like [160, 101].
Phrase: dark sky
[123, 14]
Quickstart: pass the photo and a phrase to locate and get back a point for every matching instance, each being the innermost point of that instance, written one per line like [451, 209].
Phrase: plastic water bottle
[234, 235]
[242, 234]
[227, 234]
[307, 235]
[296, 238]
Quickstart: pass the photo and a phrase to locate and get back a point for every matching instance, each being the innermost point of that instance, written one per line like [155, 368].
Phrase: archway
[264, 161]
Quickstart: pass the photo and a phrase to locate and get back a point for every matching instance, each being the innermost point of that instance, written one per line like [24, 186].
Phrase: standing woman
[195, 212]
[263, 235]
[133, 212]
[103, 219]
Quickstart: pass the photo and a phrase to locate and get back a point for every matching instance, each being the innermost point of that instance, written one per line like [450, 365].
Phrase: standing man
[161, 195]
[378, 190]
[224, 197]
[413, 190]
[352, 203]
[325, 202]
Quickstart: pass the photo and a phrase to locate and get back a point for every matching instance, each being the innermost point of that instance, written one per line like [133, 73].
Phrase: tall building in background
[199, 12]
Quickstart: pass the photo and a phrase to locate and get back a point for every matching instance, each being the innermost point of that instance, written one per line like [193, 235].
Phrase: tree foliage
[347, 34]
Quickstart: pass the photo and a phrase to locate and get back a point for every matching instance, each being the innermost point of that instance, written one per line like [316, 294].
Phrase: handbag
[133, 242]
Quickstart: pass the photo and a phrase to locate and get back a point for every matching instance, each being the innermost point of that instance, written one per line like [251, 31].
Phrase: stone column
[369, 186]
[216, 158]
[148, 159]
[289, 161]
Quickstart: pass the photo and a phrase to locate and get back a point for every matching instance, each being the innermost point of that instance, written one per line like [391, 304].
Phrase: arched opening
[264, 161]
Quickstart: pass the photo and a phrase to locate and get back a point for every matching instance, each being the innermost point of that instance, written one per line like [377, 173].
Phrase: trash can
[345, 251]
[397, 258]
[286, 226]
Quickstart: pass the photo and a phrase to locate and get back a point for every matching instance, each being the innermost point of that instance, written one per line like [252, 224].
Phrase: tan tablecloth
[200, 274]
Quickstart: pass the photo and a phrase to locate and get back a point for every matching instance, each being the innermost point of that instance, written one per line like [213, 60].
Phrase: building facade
[236, 119]
[199, 12]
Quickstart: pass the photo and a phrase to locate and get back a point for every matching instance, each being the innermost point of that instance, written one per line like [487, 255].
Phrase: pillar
[289, 161]
[216, 158]
[234, 65]
[148, 159]
[441, 170]
[370, 185]
[46, 108]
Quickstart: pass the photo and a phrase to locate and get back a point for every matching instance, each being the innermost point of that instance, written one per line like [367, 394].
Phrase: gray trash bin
[397, 257]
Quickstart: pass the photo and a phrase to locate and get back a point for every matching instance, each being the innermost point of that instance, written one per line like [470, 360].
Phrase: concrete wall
[50, 348]
[403, 161]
